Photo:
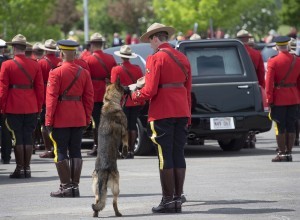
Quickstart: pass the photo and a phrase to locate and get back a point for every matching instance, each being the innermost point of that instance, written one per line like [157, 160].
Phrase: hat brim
[133, 55]
[42, 47]
[95, 41]
[145, 37]
[17, 43]
[244, 36]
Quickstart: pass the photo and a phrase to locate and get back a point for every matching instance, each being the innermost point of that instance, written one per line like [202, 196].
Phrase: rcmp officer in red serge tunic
[21, 99]
[47, 63]
[168, 87]
[255, 56]
[282, 89]
[69, 104]
[100, 65]
[128, 74]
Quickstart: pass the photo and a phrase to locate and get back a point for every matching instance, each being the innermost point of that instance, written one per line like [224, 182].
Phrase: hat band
[128, 54]
[62, 47]
[282, 43]
[52, 48]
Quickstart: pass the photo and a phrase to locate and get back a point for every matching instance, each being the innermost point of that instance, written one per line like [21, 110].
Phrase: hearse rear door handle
[244, 87]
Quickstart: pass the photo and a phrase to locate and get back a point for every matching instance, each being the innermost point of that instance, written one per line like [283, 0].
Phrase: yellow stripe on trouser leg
[275, 124]
[54, 146]
[93, 123]
[276, 128]
[14, 140]
[160, 154]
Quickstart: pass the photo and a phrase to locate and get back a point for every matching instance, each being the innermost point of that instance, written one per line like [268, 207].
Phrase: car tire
[235, 144]
[143, 145]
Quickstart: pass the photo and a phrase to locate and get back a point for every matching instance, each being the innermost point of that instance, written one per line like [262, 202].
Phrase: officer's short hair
[97, 43]
[162, 36]
[20, 47]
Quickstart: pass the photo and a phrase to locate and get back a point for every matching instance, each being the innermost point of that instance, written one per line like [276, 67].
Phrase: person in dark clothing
[6, 143]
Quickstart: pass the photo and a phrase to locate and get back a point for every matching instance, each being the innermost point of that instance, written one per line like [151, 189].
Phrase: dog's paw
[95, 214]
[125, 151]
[118, 214]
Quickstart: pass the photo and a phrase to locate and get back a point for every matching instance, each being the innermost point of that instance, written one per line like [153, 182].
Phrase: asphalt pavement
[219, 185]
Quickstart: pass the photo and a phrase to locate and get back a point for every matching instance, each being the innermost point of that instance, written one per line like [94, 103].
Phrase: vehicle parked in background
[227, 100]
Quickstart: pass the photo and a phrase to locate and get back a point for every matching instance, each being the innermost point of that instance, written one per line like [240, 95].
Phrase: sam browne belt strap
[16, 86]
[22, 86]
[64, 96]
[171, 85]
[281, 84]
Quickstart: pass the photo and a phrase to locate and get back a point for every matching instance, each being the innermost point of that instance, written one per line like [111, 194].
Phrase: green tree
[290, 13]
[227, 14]
[130, 14]
[26, 17]
[182, 14]
[65, 14]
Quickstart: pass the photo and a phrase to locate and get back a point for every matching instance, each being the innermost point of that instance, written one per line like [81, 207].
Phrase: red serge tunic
[61, 114]
[277, 68]
[21, 101]
[48, 62]
[82, 63]
[125, 79]
[258, 64]
[170, 102]
[98, 73]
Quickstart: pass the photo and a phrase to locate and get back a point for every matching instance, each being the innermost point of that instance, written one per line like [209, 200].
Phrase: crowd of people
[50, 83]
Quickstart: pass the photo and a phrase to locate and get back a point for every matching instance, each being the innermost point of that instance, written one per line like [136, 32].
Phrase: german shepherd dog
[112, 133]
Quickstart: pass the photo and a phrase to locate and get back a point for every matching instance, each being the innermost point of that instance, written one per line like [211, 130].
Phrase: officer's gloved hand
[49, 129]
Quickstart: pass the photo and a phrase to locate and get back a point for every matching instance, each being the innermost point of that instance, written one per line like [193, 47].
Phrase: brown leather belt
[69, 98]
[15, 86]
[287, 85]
[98, 78]
[171, 85]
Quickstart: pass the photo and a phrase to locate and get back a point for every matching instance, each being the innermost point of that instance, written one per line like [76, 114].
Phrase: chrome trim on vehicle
[225, 83]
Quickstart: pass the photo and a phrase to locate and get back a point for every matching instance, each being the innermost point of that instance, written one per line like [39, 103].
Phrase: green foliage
[64, 14]
[43, 19]
[181, 14]
[230, 15]
[28, 18]
[290, 13]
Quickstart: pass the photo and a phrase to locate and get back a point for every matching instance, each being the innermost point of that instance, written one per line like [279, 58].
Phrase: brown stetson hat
[243, 34]
[154, 28]
[19, 39]
[49, 45]
[37, 46]
[28, 47]
[96, 37]
[125, 51]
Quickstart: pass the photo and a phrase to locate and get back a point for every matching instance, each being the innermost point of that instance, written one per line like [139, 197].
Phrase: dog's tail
[102, 184]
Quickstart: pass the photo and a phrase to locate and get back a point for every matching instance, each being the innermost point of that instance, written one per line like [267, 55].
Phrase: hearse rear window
[221, 61]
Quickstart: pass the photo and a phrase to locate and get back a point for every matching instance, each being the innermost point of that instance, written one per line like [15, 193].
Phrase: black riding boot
[64, 173]
[27, 157]
[167, 204]
[76, 166]
[179, 176]
[93, 152]
[19, 156]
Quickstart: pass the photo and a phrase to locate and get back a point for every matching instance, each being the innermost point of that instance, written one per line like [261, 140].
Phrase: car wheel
[143, 145]
[235, 144]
